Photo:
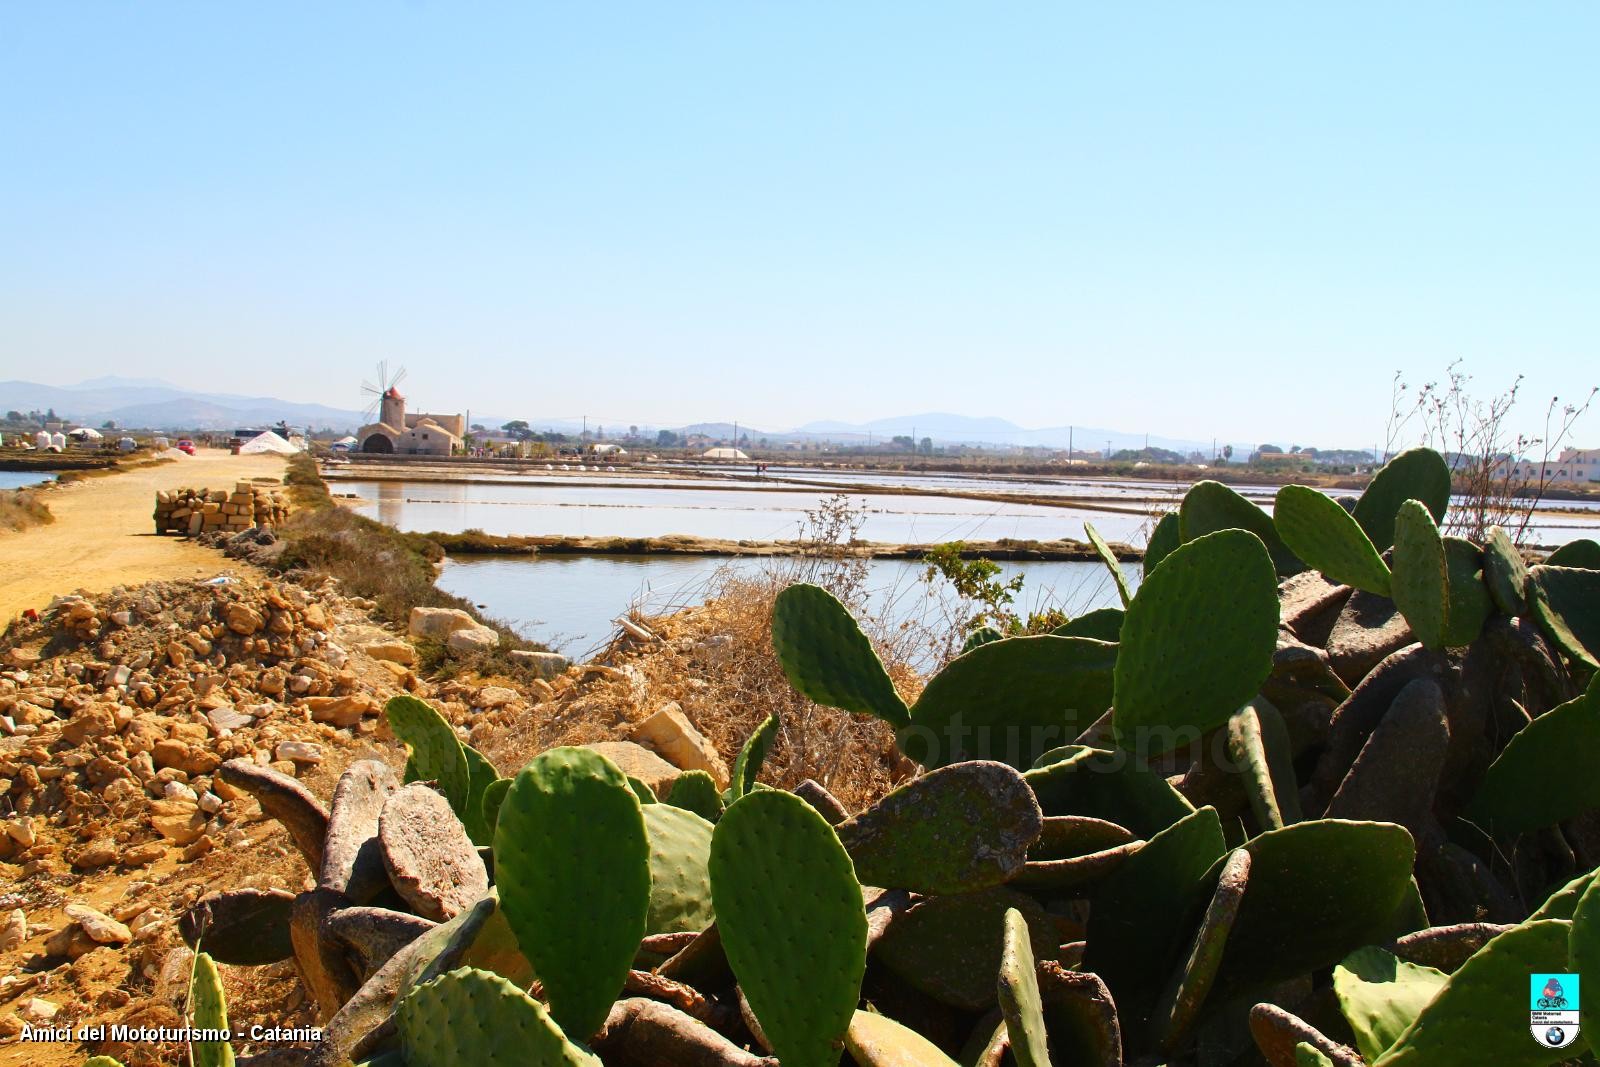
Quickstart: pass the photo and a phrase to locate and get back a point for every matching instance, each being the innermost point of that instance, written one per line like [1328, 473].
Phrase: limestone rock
[341, 711]
[392, 652]
[543, 664]
[15, 931]
[495, 696]
[670, 733]
[473, 639]
[439, 623]
[100, 927]
[639, 762]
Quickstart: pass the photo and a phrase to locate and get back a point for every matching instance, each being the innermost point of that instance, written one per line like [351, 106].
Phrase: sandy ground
[103, 535]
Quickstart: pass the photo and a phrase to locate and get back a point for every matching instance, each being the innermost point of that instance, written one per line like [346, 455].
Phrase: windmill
[374, 393]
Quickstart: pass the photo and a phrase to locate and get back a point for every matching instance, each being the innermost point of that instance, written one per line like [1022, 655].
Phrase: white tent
[347, 441]
[85, 433]
[268, 442]
[723, 453]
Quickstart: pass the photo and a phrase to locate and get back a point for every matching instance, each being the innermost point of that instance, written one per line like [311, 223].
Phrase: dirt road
[103, 535]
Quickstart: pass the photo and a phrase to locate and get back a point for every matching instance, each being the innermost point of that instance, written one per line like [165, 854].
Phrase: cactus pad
[1583, 943]
[572, 863]
[241, 926]
[1109, 558]
[1504, 572]
[494, 794]
[828, 659]
[696, 791]
[432, 863]
[680, 887]
[1380, 995]
[792, 921]
[1018, 992]
[1418, 474]
[956, 829]
[352, 858]
[208, 1010]
[1163, 539]
[1053, 688]
[981, 636]
[1101, 624]
[1197, 642]
[1546, 773]
[1580, 553]
[1328, 538]
[949, 947]
[1259, 745]
[471, 1016]
[1470, 603]
[1318, 891]
[1186, 993]
[1110, 785]
[1469, 1012]
[1211, 506]
[480, 776]
[878, 1041]
[436, 754]
[1306, 1055]
[1421, 584]
[751, 756]
[1566, 604]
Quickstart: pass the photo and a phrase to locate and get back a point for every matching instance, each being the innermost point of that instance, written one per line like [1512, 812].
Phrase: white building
[1575, 466]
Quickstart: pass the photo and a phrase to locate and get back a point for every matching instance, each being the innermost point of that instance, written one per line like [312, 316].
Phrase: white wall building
[1575, 466]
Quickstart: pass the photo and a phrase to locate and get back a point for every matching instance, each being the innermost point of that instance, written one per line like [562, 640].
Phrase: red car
[185, 446]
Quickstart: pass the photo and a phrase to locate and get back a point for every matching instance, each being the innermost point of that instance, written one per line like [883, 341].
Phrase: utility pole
[1069, 444]
[585, 435]
[1108, 449]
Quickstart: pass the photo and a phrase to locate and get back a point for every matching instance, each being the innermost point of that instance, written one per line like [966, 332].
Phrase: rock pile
[197, 511]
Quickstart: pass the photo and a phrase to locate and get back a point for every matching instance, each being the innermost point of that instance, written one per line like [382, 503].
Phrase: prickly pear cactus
[1504, 572]
[1109, 558]
[572, 864]
[1163, 539]
[480, 776]
[469, 1016]
[1018, 993]
[792, 921]
[1470, 603]
[1328, 538]
[1566, 604]
[1054, 688]
[751, 756]
[1421, 585]
[1580, 553]
[680, 885]
[1103, 784]
[208, 1010]
[1306, 1055]
[1583, 947]
[1258, 743]
[436, 752]
[1211, 506]
[1466, 1012]
[101, 1061]
[1546, 773]
[1417, 474]
[1101, 624]
[1185, 664]
[828, 659]
[696, 791]
[878, 1041]
[1380, 995]
[494, 794]
[981, 636]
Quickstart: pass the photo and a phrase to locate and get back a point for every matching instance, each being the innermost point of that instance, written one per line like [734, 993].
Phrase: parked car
[185, 446]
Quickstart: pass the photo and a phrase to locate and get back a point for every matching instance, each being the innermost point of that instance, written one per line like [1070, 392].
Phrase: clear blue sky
[1201, 220]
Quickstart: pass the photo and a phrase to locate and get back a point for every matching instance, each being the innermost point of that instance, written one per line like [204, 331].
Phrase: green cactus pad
[949, 947]
[1166, 536]
[245, 927]
[1053, 688]
[1470, 603]
[472, 1017]
[953, 830]
[572, 863]
[754, 753]
[1381, 995]
[981, 636]
[696, 791]
[1421, 584]
[1018, 992]
[1310, 1056]
[878, 1041]
[1566, 605]
[1328, 538]
[436, 754]
[480, 776]
[208, 1010]
[1211, 506]
[1417, 474]
[1580, 553]
[1470, 1011]
[645, 794]
[1197, 642]
[1065, 836]
[1109, 558]
[1583, 945]
[1546, 773]
[1110, 785]
[1259, 745]
[680, 886]
[828, 659]
[792, 921]
[1101, 624]
[1175, 1013]
[1319, 890]
[101, 1061]
[1564, 901]
[1505, 572]
[494, 794]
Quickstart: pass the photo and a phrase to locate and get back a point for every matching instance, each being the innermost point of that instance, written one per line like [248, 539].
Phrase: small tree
[519, 429]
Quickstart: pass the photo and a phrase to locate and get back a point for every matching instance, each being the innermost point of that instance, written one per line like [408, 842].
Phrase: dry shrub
[23, 508]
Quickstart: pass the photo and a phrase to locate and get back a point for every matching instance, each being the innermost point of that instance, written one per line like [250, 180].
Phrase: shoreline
[477, 543]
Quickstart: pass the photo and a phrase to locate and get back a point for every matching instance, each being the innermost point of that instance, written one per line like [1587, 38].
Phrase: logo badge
[1553, 1009]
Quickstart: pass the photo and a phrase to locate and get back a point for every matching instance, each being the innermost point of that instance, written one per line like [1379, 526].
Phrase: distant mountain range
[154, 404]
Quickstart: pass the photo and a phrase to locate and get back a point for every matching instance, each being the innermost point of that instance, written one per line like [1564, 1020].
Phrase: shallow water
[18, 479]
[569, 602]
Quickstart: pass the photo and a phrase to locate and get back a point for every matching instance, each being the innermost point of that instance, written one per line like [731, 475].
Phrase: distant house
[422, 434]
[1575, 466]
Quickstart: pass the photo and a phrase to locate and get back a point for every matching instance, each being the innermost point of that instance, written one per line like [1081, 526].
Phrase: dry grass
[23, 508]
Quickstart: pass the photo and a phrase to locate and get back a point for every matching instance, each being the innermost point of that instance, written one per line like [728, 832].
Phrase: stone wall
[196, 511]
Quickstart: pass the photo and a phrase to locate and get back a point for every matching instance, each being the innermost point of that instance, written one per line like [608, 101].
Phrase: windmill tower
[383, 399]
